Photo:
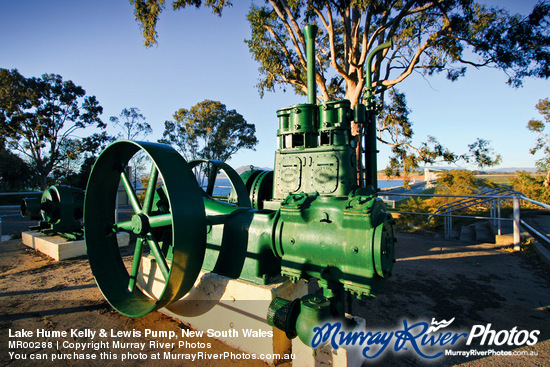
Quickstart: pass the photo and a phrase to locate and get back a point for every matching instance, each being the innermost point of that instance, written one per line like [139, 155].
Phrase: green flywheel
[178, 255]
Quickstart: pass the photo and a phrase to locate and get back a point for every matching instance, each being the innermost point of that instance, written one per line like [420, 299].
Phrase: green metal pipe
[160, 220]
[370, 136]
[310, 32]
[368, 66]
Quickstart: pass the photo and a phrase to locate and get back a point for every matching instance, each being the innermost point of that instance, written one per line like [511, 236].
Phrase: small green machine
[60, 210]
[307, 219]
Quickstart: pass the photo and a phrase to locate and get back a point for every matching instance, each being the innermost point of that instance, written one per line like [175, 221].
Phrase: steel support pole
[493, 213]
[517, 238]
[450, 225]
[498, 216]
[446, 226]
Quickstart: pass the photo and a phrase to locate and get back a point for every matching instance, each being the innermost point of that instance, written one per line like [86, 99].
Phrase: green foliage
[81, 155]
[460, 182]
[395, 129]
[543, 140]
[453, 182]
[209, 131]
[532, 186]
[429, 37]
[415, 204]
[15, 173]
[38, 117]
[77, 179]
[148, 11]
[482, 154]
[134, 127]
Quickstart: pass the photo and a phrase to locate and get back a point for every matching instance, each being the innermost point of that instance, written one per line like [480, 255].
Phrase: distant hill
[490, 170]
[242, 169]
[511, 170]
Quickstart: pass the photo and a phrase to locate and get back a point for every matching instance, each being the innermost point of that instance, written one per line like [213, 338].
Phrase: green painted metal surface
[59, 210]
[178, 256]
[370, 106]
[30, 207]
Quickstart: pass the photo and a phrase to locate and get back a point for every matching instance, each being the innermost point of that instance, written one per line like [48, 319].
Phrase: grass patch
[505, 180]
[429, 191]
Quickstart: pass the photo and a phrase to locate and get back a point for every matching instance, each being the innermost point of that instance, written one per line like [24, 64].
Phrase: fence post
[492, 213]
[517, 238]
[446, 225]
[498, 216]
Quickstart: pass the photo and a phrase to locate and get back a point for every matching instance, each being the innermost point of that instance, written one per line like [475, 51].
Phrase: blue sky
[98, 45]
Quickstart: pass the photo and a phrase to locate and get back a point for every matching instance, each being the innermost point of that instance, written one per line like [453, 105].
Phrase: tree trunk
[43, 182]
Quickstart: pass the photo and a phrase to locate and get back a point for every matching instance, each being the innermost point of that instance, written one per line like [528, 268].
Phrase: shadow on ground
[433, 279]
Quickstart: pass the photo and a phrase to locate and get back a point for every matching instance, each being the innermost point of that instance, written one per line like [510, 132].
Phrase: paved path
[12, 221]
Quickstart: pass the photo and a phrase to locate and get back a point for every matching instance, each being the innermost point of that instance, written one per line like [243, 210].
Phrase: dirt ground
[476, 285]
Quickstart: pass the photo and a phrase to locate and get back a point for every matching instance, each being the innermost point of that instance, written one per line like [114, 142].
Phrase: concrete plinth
[227, 308]
[59, 248]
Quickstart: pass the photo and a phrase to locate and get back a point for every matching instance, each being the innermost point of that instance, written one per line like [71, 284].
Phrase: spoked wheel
[178, 255]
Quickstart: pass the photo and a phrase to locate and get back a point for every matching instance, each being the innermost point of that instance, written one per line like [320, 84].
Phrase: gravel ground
[433, 279]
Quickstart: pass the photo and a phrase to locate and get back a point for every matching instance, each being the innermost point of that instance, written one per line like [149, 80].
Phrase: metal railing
[491, 197]
[494, 198]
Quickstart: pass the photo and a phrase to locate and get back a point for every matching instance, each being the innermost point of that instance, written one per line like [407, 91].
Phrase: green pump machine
[307, 219]
[59, 211]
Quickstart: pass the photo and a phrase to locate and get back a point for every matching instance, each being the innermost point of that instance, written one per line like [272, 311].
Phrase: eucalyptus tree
[429, 37]
[542, 128]
[133, 126]
[208, 130]
[39, 118]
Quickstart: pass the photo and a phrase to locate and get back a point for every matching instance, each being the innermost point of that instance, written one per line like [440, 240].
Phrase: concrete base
[59, 248]
[504, 239]
[226, 308]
